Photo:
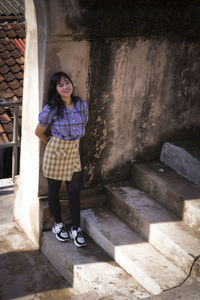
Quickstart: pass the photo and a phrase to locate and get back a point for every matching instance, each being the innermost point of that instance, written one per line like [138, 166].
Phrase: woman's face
[64, 88]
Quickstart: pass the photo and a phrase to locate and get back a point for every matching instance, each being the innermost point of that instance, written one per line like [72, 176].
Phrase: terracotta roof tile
[5, 54]
[3, 135]
[19, 91]
[16, 26]
[20, 33]
[20, 60]
[7, 94]
[9, 76]
[11, 34]
[3, 86]
[15, 84]
[4, 69]
[6, 26]
[20, 75]
[16, 53]
[2, 33]
[12, 47]
[16, 68]
[1, 62]
[2, 47]
[10, 61]
[4, 116]
[8, 126]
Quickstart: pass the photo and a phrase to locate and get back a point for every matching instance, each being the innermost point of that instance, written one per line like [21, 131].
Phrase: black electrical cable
[186, 277]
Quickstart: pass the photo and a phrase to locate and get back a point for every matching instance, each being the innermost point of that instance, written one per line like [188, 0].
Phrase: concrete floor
[26, 274]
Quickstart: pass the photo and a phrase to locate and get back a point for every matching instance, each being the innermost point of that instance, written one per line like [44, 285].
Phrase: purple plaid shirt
[71, 126]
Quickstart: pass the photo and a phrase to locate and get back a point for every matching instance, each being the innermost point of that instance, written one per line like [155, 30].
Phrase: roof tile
[5, 54]
[3, 86]
[7, 94]
[2, 33]
[10, 46]
[20, 60]
[4, 69]
[11, 34]
[2, 47]
[3, 136]
[20, 33]
[16, 26]
[20, 75]
[15, 84]
[1, 78]
[9, 76]
[15, 53]
[6, 26]
[19, 92]
[1, 62]
[16, 68]
[10, 61]
[4, 117]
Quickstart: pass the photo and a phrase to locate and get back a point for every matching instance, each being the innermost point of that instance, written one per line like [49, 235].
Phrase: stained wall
[137, 64]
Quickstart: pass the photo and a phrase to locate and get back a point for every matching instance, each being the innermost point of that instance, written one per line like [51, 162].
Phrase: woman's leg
[53, 199]
[73, 189]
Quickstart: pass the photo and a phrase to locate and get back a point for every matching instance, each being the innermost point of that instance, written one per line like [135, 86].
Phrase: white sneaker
[77, 236]
[60, 231]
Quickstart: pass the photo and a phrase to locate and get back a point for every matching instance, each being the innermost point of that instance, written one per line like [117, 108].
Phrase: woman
[66, 115]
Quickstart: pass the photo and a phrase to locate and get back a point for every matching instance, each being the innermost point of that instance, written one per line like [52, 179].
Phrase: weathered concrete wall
[143, 92]
[142, 86]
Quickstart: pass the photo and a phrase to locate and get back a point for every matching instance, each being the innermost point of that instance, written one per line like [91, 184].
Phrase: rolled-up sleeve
[45, 116]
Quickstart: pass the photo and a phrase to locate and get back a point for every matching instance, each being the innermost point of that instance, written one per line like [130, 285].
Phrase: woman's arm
[40, 132]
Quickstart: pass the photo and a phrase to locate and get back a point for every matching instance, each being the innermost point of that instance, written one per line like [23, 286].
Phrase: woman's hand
[40, 132]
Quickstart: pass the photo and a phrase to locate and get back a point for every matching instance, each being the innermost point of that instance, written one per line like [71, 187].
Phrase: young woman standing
[66, 115]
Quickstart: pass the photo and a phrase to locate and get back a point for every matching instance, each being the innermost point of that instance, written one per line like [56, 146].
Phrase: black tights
[73, 188]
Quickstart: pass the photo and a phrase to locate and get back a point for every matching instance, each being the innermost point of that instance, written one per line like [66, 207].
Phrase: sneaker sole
[60, 239]
[75, 243]
[79, 245]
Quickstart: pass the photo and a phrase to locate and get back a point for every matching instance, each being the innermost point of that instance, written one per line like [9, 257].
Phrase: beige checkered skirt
[61, 159]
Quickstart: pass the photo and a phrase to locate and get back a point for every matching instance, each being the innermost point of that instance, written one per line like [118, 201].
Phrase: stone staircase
[142, 241]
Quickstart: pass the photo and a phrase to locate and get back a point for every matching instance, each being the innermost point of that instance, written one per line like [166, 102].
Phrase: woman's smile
[64, 88]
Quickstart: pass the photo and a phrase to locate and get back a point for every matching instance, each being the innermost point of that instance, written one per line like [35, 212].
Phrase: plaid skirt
[61, 159]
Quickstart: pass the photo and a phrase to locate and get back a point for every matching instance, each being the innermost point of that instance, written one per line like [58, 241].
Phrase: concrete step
[89, 198]
[170, 189]
[137, 257]
[90, 269]
[184, 158]
[172, 237]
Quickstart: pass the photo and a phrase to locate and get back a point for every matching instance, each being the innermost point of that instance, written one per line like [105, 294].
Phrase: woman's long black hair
[54, 99]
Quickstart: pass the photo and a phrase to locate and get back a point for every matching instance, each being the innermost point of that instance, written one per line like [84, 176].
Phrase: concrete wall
[135, 62]
[143, 92]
